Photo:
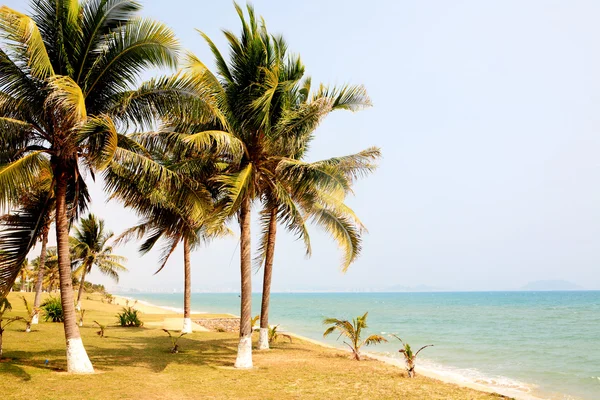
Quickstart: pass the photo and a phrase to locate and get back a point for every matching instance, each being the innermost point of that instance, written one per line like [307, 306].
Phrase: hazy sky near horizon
[488, 117]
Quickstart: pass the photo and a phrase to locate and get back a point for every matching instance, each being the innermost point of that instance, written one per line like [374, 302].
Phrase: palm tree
[352, 330]
[65, 91]
[40, 273]
[90, 249]
[308, 185]
[409, 356]
[186, 216]
[50, 272]
[245, 96]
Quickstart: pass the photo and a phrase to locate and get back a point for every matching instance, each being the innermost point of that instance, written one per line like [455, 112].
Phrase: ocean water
[545, 344]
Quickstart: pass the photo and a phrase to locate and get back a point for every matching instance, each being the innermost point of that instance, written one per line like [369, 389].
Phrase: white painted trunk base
[78, 306]
[244, 354]
[187, 326]
[35, 319]
[77, 358]
[263, 339]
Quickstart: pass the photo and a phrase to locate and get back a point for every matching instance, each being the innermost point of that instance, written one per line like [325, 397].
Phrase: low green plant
[352, 330]
[30, 313]
[174, 340]
[409, 356]
[53, 311]
[4, 322]
[130, 317]
[254, 320]
[102, 329]
[274, 335]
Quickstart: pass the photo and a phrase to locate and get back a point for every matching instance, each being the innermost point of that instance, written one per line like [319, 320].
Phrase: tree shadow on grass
[154, 353]
[8, 367]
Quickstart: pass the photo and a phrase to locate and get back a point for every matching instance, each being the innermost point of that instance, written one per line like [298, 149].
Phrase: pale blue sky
[488, 116]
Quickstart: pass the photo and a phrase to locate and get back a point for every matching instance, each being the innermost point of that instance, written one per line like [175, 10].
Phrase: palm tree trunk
[40, 277]
[77, 358]
[244, 356]
[80, 291]
[263, 339]
[187, 292]
[1, 332]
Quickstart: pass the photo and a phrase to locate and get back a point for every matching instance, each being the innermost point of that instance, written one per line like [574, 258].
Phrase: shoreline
[443, 376]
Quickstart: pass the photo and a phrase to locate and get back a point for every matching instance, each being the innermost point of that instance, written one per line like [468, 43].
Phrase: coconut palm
[410, 357]
[50, 274]
[247, 93]
[40, 273]
[66, 77]
[353, 331]
[186, 216]
[308, 185]
[90, 249]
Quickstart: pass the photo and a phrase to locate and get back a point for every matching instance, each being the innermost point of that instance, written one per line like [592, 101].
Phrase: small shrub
[274, 334]
[409, 356]
[130, 317]
[174, 340]
[219, 329]
[53, 310]
[102, 329]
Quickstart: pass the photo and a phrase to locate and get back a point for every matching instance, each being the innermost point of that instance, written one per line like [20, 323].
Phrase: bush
[53, 311]
[129, 317]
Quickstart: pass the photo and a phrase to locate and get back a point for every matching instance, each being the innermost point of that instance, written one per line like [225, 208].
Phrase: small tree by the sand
[409, 356]
[352, 330]
[174, 340]
[274, 334]
[4, 322]
[102, 329]
[30, 313]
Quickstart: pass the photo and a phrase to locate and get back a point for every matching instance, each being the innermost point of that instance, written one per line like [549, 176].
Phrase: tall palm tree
[186, 216]
[248, 92]
[90, 249]
[303, 182]
[66, 77]
[50, 269]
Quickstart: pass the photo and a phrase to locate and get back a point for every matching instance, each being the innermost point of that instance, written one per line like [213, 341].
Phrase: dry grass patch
[134, 363]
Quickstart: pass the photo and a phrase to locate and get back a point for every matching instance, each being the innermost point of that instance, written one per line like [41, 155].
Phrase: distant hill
[418, 288]
[551, 285]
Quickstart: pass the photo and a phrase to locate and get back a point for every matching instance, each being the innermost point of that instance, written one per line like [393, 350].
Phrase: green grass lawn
[135, 363]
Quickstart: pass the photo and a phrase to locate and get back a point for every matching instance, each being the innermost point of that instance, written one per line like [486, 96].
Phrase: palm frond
[24, 36]
[20, 175]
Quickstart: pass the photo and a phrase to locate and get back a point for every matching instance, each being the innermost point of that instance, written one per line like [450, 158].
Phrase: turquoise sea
[545, 344]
